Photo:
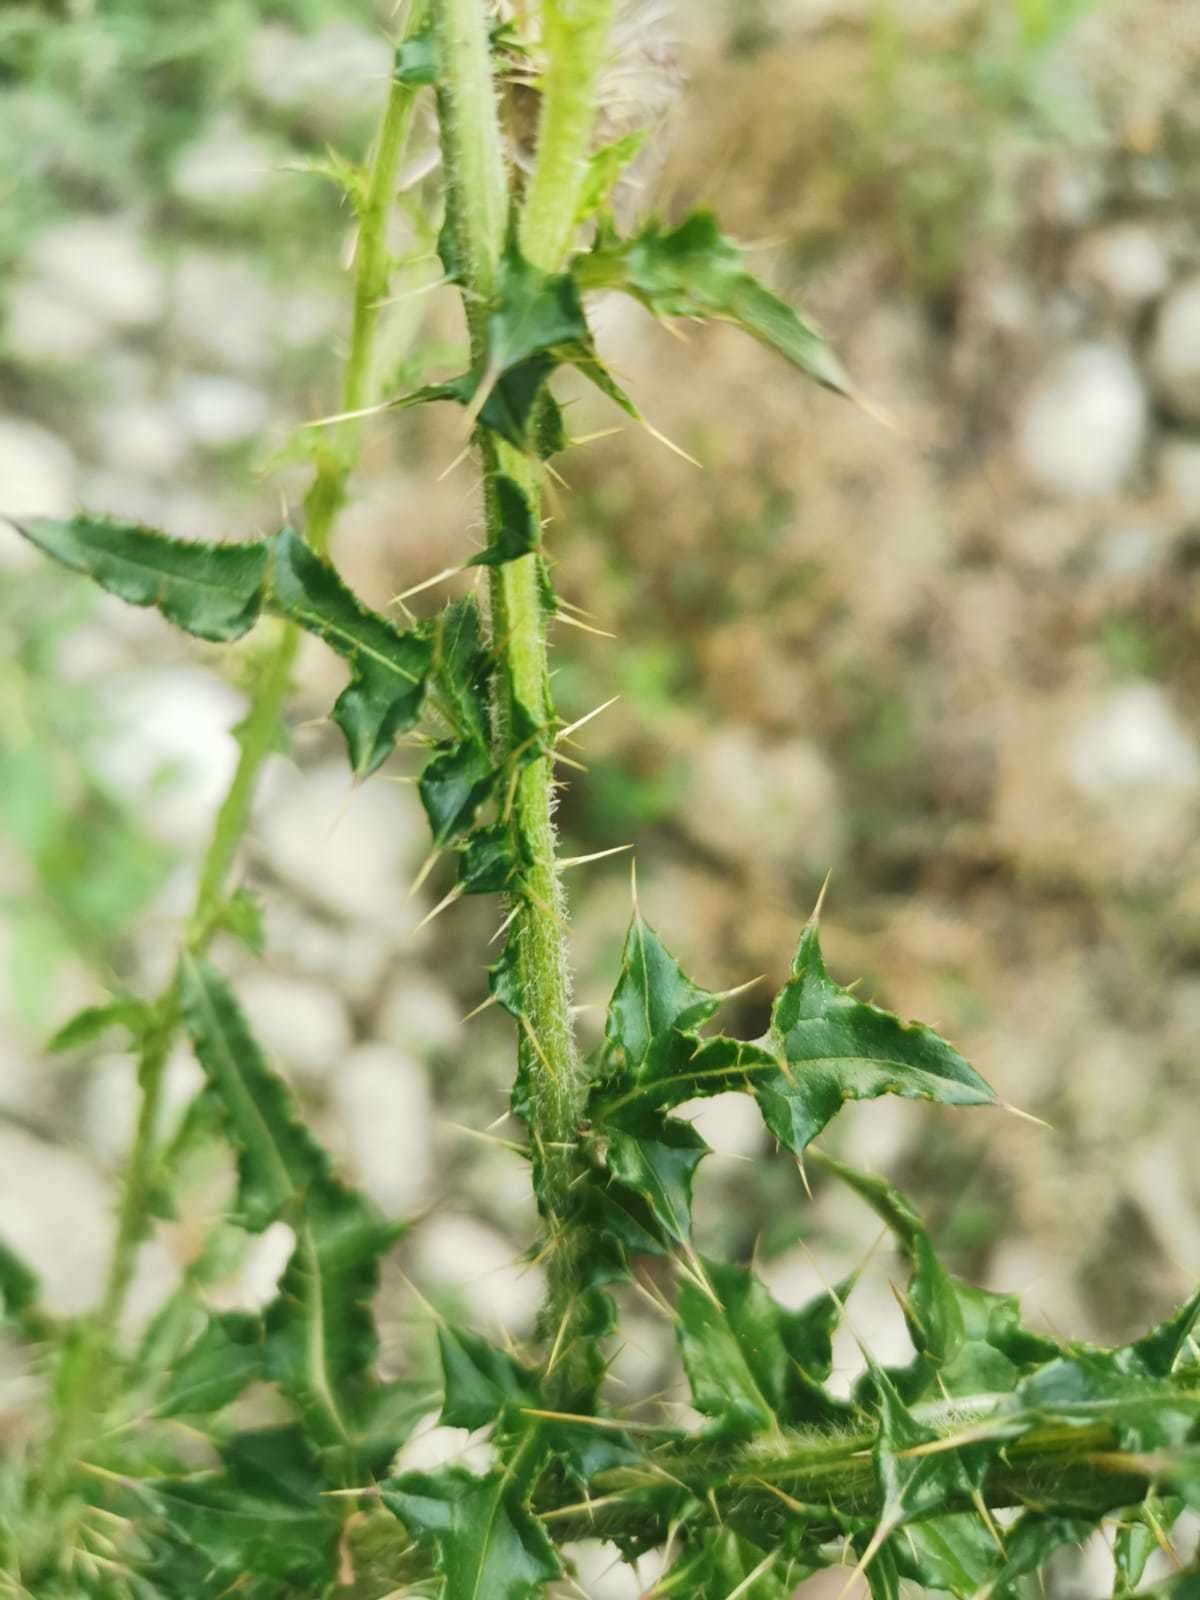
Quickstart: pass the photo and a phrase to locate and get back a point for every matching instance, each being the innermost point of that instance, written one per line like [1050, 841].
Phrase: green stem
[372, 270]
[80, 1393]
[478, 197]
[574, 35]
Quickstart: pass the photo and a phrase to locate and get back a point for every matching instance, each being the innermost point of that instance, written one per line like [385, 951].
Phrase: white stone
[382, 1098]
[602, 1573]
[227, 172]
[1134, 739]
[252, 1286]
[104, 265]
[1081, 429]
[1175, 350]
[1127, 261]
[223, 311]
[418, 1015]
[43, 328]
[783, 799]
[142, 437]
[501, 1292]
[329, 79]
[301, 1025]
[38, 478]
[56, 1212]
[731, 1124]
[1179, 474]
[216, 412]
[430, 1446]
[350, 848]
[177, 720]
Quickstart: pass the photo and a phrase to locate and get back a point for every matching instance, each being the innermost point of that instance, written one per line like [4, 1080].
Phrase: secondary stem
[257, 738]
[478, 204]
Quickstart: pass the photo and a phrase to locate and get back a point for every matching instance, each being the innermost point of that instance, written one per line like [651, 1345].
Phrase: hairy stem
[478, 193]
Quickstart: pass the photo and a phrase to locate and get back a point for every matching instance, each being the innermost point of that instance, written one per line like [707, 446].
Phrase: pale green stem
[257, 737]
[478, 198]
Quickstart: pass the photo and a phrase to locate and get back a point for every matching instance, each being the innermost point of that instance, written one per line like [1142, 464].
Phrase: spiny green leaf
[1032, 1540]
[967, 1340]
[487, 863]
[722, 1563]
[754, 1367]
[461, 668]
[278, 1159]
[94, 1021]
[215, 1368]
[652, 997]
[321, 1341]
[1112, 1386]
[518, 527]
[480, 1381]
[1138, 1537]
[454, 785]
[489, 1547]
[695, 271]
[504, 981]
[604, 169]
[388, 666]
[212, 590]
[657, 1157]
[534, 311]
[254, 1528]
[1160, 1349]
[832, 1048]
[956, 1554]
[919, 1485]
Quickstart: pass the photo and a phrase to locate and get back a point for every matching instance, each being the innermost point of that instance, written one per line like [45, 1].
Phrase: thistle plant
[961, 1471]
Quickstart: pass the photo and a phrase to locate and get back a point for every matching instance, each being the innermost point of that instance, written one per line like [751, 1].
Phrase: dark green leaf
[212, 590]
[321, 1342]
[1032, 1540]
[695, 271]
[278, 1159]
[454, 785]
[255, 1528]
[657, 1157]
[549, 430]
[1138, 1537]
[956, 1554]
[388, 666]
[480, 1381]
[461, 668]
[19, 1287]
[216, 1366]
[94, 1021]
[652, 997]
[416, 60]
[518, 531]
[488, 1544]
[534, 312]
[487, 863]
[504, 982]
[915, 1485]
[722, 1563]
[754, 1367]
[1160, 1349]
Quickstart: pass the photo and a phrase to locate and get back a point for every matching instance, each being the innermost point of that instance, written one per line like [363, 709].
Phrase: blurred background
[955, 662]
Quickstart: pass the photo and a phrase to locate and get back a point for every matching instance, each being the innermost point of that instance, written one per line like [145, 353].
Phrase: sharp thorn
[426, 868]
[443, 904]
[418, 588]
[573, 727]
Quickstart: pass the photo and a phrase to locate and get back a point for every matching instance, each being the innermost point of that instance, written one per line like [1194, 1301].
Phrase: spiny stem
[478, 198]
